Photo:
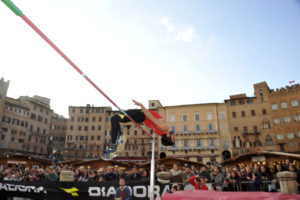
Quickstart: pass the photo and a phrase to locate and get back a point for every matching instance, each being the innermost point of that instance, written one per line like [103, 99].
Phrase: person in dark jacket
[135, 175]
[110, 175]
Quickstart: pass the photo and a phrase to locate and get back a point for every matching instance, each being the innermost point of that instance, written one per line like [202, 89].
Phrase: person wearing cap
[123, 192]
[198, 182]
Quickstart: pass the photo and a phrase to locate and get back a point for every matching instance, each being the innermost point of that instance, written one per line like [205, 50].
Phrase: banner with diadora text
[77, 190]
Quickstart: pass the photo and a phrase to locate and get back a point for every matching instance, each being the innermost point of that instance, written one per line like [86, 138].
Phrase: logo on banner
[21, 188]
[73, 191]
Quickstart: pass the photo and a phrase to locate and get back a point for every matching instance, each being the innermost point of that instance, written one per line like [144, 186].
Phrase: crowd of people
[208, 177]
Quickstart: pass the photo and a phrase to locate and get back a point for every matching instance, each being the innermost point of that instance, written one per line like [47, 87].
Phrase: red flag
[293, 81]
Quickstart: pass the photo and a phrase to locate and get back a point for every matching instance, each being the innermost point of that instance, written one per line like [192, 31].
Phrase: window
[185, 129]
[224, 127]
[280, 136]
[209, 116]
[94, 119]
[8, 107]
[252, 112]
[100, 119]
[210, 128]
[184, 117]
[241, 102]
[297, 118]
[72, 119]
[283, 105]
[86, 119]
[18, 110]
[250, 101]
[292, 145]
[12, 139]
[236, 129]
[15, 122]
[6, 119]
[294, 102]
[86, 128]
[274, 107]
[277, 121]
[26, 113]
[13, 132]
[93, 128]
[98, 137]
[81, 110]
[269, 140]
[243, 114]
[211, 143]
[197, 117]
[71, 128]
[225, 143]
[234, 114]
[290, 136]
[255, 129]
[99, 128]
[172, 128]
[232, 103]
[264, 111]
[245, 129]
[185, 143]
[199, 143]
[223, 116]
[299, 134]
[197, 128]
[79, 128]
[266, 125]
[287, 119]
[172, 118]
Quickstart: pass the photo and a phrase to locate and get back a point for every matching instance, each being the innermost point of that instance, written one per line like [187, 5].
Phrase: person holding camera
[198, 182]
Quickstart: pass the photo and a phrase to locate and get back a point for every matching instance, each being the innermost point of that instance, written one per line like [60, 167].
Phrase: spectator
[292, 168]
[110, 175]
[205, 174]
[41, 176]
[101, 178]
[51, 177]
[198, 183]
[145, 174]
[123, 192]
[217, 179]
[255, 183]
[264, 174]
[287, 165]
[233, 182]
[85, 177]
[121, 174]
[187, 174]
[249, 173]
[176, 175]
[34, 178]
[194, 169]
[279, 168]
[135, 175]
[175, 187]
[256, 168]
[17, 176]
[208, 167]
[8, 177]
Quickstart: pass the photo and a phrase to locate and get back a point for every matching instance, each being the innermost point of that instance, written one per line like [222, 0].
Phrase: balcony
[246, 133]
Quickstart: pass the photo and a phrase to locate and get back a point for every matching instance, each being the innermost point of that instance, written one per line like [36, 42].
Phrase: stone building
[201, 131]
[24, 122]
[285, 113]
[250, 121]
[88, 135]
[57, 135]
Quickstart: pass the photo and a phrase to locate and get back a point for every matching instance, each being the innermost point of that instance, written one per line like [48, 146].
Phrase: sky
[175, 51]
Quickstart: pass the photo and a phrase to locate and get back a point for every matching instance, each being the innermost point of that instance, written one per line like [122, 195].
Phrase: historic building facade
[285, 113]
[201, 131]
[88, 135]
[250, 122]
[57, 135]
[24, 122]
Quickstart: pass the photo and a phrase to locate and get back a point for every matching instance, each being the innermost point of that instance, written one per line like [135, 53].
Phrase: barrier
[78, 190]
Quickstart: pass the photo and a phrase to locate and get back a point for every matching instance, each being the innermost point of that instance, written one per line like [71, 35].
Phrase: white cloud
[165, 21]
[186, 35]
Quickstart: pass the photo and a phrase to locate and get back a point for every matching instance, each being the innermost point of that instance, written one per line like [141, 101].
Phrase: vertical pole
[152, 177]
